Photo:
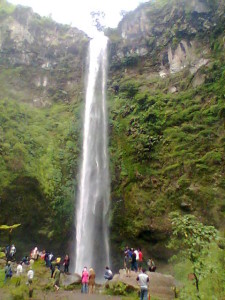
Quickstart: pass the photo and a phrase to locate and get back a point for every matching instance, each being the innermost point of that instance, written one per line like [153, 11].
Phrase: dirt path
[62, 295]
[72, 295]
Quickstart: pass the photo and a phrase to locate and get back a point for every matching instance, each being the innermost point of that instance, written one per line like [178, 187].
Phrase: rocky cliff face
[51, 57]
[167, 33]
[41, 91]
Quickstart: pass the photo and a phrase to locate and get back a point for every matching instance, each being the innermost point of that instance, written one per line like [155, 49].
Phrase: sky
[77, 12]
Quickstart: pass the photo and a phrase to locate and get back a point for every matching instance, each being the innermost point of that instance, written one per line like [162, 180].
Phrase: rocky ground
[160, 286]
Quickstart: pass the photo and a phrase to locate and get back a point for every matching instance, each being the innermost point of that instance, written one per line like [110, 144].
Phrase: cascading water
[92, 246]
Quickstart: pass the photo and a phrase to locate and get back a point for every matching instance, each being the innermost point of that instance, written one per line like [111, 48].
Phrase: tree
[98, 19]
[10, 229]
[192, 239]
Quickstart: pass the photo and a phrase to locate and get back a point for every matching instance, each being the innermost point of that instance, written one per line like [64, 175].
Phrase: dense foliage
[38, 167]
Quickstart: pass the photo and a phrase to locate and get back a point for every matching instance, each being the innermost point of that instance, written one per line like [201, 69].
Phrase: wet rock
[199, 79]
[186, 206]
[173, 89]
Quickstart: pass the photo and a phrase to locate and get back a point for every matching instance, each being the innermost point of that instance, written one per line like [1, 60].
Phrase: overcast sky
[77, 12]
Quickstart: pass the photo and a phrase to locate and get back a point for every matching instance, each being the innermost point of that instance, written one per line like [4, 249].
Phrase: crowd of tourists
[133, 261]
[53, 263]
[26, 263]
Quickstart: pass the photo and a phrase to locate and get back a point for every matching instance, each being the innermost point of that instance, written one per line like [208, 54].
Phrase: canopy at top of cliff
[78, 12]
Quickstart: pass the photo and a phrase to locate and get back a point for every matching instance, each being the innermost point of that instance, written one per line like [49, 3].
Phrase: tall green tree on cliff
[193, 240]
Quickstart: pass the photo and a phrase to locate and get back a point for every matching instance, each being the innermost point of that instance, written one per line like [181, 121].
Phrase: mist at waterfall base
[92, 246]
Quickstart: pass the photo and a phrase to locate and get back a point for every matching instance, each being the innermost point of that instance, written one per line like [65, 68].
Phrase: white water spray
[92, 246]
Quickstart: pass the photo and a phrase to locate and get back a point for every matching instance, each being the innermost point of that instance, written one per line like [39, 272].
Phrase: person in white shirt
[143, 280]
[12, 251]
[137, 254]
[30, 276]
[137, 259]
[108, 274]
[19, 269]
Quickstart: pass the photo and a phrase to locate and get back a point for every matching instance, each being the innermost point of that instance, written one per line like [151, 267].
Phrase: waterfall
[92, 246]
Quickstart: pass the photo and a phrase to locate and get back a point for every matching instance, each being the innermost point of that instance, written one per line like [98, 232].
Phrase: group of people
[88, 279]
[18, 273]
[53, 263]
[133, 261]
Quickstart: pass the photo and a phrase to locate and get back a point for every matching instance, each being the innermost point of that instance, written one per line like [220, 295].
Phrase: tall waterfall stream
[92, 245]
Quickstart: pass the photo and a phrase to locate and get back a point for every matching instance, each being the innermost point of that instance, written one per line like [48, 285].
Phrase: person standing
[30, 276]
[143, 280]
[84, 281]
[140, 260]
[127, 262]
[91, 281]
[8, 271]
[52, 268]
[133, 261]
[56, 276]
[66, 264]
[7, 251]
[137, 259]
[19, 271]
[126, 250]
[12, 251]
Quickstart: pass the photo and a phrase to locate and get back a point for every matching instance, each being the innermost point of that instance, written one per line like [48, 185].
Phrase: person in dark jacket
[133, 261]
[8, 271]
[66, 264]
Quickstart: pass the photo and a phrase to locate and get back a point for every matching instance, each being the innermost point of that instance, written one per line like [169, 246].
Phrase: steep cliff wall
[166, 119]
[169, 34]
[41, 93]
[49, 58]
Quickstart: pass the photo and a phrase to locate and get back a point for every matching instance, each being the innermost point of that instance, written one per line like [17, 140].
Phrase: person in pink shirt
[84, 280]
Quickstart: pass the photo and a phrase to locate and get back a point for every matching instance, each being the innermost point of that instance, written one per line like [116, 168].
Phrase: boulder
[70, 279]
[161, 286]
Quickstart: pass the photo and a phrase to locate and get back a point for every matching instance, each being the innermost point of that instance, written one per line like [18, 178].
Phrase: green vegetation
[9, 232]
[6, 8]
[199, 259]
[38, 166]
[167, 150]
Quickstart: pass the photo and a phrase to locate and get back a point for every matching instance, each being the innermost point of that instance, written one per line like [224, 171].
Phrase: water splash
[92, 246]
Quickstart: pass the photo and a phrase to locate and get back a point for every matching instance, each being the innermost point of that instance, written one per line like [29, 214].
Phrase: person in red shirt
[140, 262]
